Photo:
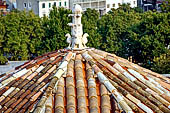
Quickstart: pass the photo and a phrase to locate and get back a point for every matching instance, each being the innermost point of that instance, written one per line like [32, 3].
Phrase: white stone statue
[76, 40]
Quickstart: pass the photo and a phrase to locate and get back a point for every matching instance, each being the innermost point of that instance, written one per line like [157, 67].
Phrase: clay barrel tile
[23, 83]
[11, 83]
[46, 68]
[93, 103]
[133, 106]
[31, 85]
[71, 110]
[70, 91]
[89, 74]
[70, 88]
[30, 65]
[59, 110]
[8, 110]
[2, 90]
[53, 54]
[60, 91]
[25, 94]
[33, 98]
[101, 53]
[71, 102]
[23, 65]
[16, 103]
[68, 56]
[32, 76]
[42, 84]
[26, 75]
[59, 96]
[32, 106]
[3, 109]
[81, 103]
[5, 77]
[70, 72]
[31, 94]
[14, 92]
[5, 100]
[166, 97]
[26, 84]
[41, 104]
[43, 77]
[49, 104]
[58, 59]
[69, 81]
[80, 86]
[105, 100]
[18, 82]
[21, 111]
[80, 92]
[10, 102]
[59, 101]
[21, 103]
[42, 60]
[51, 69]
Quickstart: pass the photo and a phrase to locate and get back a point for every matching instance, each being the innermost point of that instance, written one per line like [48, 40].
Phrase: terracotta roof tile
[71, 81]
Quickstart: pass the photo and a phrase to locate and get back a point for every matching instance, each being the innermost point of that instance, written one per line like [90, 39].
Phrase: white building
[103, 6]
[41, 7]
[46, 5]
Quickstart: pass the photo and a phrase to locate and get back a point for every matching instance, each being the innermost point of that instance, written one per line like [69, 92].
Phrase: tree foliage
[89, 21]
[165, 7]
[149, 37]
[56, 28]
[124, 31]
[161, 64]
[21, 33]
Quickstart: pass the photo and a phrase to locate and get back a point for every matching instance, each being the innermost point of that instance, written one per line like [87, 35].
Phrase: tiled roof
[83, 81]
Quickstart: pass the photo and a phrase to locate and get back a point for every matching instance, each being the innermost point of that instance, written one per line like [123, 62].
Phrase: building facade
[147, 5]
[41, 7]
[103, 6]
[11, 4]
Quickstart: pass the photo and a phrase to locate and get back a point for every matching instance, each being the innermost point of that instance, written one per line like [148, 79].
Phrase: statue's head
[77, 9]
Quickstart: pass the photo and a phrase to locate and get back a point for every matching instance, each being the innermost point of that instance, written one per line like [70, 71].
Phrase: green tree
[114, 26]
[161, 64]
[3, 59]
[89, 21]
[165, 7]
[22, 33]
[56, 28]
[150, 37]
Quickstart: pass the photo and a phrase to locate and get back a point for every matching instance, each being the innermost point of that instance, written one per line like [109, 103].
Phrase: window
[25, 5]
[54, 3]
[29, 4]
[49, 5]
[118, 4]
[43, 5]
[113, 5]
[134, 2]
[108, 5]
[65, 3]
[59, 3]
